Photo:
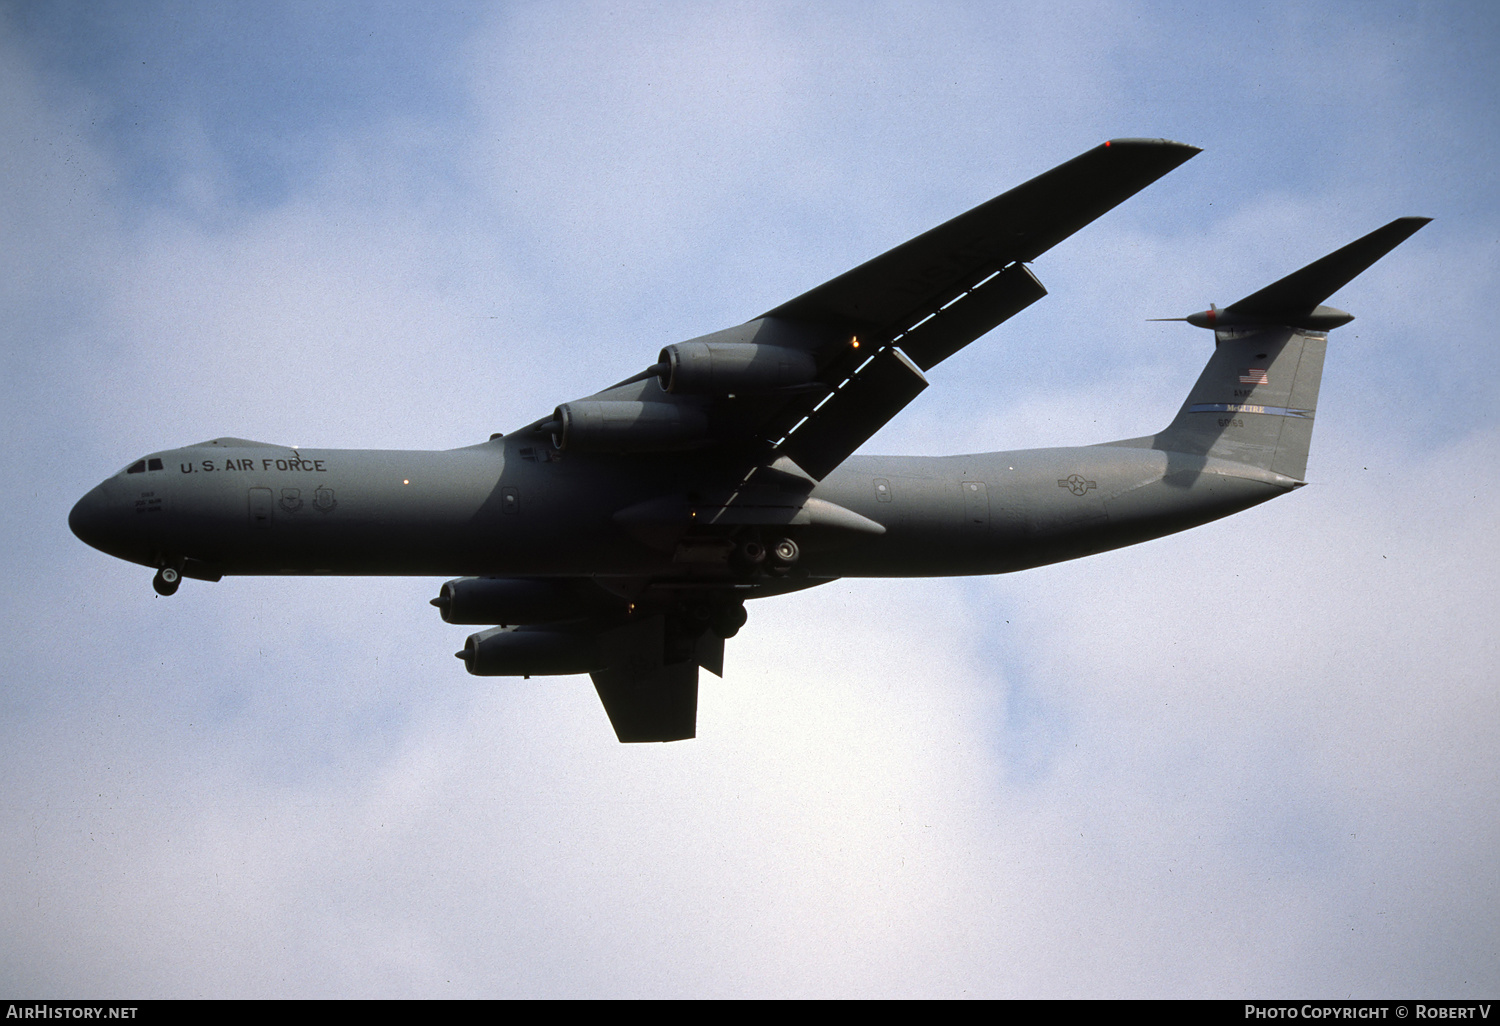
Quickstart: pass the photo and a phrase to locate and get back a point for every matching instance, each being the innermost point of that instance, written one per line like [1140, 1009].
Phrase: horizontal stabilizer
[1301, 291]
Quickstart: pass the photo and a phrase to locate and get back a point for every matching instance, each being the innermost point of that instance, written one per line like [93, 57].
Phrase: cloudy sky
[1261, 758]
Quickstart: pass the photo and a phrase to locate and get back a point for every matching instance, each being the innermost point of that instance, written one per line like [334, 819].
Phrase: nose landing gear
[166, 580]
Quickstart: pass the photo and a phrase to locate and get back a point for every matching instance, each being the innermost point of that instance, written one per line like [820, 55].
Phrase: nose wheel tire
[166, 580]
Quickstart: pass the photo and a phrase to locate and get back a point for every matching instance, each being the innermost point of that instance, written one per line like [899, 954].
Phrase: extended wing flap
[971, 315]
[876, 393]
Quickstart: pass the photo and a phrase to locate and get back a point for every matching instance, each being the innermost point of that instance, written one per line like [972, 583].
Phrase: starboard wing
[858, 345]
[952, 273]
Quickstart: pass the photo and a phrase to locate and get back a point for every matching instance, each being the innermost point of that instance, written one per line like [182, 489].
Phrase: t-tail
[1254, 403]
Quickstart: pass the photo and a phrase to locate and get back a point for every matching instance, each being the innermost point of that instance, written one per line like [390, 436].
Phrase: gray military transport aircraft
[620, 535]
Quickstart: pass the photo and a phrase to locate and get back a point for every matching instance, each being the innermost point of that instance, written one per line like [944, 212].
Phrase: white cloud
[1258, 757]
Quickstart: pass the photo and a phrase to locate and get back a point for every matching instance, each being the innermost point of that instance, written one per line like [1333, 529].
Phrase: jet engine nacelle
[529, 651]
[724, 368]
[606, 425]
[505, 600]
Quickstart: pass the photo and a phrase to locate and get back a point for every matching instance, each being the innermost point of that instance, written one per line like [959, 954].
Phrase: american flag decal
[1254, 376]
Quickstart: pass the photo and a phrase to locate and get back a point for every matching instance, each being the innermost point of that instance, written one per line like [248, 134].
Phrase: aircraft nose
[91, 520]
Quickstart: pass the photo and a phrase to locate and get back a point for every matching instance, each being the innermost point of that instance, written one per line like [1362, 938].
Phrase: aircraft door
[976, 505]
[260, 507]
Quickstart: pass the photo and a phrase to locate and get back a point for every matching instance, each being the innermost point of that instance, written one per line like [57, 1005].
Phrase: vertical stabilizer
[1254, 402]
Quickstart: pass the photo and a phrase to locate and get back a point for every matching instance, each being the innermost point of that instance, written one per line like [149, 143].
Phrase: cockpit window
[138, 467]
[153, 464]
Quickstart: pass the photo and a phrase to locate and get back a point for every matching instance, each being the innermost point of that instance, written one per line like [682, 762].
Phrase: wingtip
[1392, 235]
[1187, 149]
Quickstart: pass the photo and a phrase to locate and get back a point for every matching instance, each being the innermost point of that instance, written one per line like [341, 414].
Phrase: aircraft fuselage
[513, 509]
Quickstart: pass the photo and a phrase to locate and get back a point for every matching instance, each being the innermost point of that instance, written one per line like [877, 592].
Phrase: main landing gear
[722, 618]
[166, 580]
[692, 621]
[783, 554]
[752, 556]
